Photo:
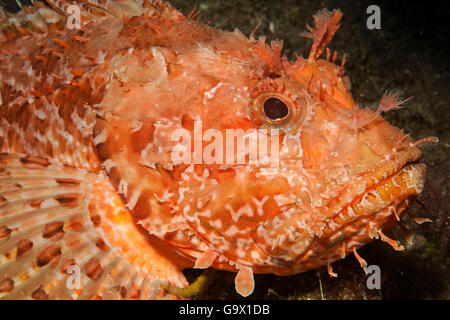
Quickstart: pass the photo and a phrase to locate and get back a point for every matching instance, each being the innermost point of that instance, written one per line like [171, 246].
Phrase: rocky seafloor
[409, 53]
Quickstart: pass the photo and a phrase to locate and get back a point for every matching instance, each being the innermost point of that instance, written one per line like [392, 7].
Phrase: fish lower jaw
[403, 184]
[375, 211]
[396, 174]
[378, 209]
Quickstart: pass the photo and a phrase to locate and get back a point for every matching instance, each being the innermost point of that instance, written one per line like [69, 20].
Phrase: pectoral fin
[66, 234]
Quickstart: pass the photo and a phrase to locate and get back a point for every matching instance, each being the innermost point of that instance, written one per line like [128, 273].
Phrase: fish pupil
[275, 109]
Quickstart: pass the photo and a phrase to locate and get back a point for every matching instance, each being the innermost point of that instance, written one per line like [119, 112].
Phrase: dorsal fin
[19, 17]
[26, 16]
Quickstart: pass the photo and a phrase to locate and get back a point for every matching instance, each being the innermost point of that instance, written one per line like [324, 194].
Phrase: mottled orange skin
[111, 102]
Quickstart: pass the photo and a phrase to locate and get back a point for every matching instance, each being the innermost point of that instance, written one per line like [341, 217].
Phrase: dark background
[409, 53]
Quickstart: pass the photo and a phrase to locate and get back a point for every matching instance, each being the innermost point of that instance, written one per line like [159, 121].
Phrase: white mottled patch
[206, 213]
[165, 197]
[40, 114]
[133, 199]
[101, 57]
[217, 223]
[186, 209]
[240, 253]
[100, 138]
[80, 123]
[283, 199]
[49, 203]
[181, 192]
[231, 231]
[39, 137]
[210, 93]
[108, 164]
[351, 212]
[136, 125]
[255, 255]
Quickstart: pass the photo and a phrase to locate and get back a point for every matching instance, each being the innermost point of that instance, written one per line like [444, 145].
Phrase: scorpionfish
[93, 202]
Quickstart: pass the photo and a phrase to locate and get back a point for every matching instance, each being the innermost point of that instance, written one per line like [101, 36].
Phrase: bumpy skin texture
[106, 99]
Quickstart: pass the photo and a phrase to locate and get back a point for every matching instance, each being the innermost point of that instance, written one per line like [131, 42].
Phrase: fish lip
[406, 165]
[394, 201]
[387, 168]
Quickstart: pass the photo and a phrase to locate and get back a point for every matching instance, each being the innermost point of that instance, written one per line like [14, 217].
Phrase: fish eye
[278, 104]
[275, 109]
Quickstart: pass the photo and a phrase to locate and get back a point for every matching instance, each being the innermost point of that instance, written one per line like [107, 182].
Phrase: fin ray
[50, 214]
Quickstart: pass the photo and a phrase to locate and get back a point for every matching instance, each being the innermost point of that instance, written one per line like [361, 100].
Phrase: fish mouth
[395, 178]
[373, 203]
[387, 198]
[382, 195]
